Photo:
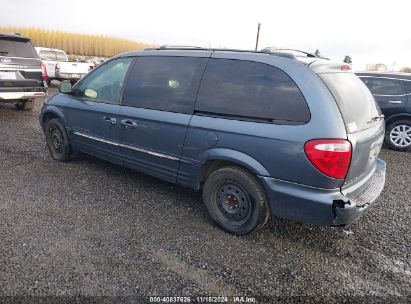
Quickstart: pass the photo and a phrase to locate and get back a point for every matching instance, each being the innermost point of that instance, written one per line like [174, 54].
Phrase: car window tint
[14, 48]
[407, 87]
[356, 103]
[60, 56]
[47, 55]
[164, 83]
[105, 83]
[247, 89]
[383, 86]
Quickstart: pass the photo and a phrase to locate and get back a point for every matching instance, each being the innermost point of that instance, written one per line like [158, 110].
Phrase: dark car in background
[22, 74]
[392, 92]
[259, 133]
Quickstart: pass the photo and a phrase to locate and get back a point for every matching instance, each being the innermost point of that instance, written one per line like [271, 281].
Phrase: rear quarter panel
[276, 150]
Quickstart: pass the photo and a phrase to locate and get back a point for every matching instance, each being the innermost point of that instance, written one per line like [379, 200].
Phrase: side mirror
[65, 87]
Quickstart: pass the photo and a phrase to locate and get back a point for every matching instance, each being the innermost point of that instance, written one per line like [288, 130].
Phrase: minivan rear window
[15, 48]
[354, 100]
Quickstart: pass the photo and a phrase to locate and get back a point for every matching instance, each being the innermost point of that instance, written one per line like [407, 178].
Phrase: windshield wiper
[376, 118]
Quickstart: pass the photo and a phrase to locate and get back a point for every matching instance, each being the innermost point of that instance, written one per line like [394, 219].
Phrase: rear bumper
[327, 207]
[70, 76]
[21, 95]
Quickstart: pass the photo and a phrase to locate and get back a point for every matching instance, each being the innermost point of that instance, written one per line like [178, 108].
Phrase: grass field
[75, 43]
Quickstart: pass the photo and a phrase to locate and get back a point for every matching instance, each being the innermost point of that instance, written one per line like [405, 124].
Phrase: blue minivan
[260, 133]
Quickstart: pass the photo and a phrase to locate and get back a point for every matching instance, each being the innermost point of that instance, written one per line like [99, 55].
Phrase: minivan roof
[307, 59]
[317, 64]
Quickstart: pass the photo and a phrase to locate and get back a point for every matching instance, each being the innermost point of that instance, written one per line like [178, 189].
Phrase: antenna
[258, 36]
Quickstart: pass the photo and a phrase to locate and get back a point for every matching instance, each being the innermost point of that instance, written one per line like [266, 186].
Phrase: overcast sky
[369, 31]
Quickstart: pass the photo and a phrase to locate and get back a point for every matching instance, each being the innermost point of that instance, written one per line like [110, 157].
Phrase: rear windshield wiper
[376, 118]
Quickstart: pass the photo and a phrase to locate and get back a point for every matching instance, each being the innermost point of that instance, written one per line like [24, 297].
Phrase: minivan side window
[105, 83]
[164, 83]
[384, 86]
[251, 90]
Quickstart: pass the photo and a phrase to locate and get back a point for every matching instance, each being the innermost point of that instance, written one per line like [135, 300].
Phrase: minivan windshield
[16, 48]
[354, 100]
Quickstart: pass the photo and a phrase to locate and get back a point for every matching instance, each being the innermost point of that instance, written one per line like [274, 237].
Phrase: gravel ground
[88, 228]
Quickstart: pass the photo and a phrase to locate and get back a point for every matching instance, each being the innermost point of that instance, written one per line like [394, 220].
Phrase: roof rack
[189, 47]
[307, 54]
[276, 52]
[273, 50]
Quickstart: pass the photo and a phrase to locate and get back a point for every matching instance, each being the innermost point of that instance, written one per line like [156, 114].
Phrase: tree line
[79, 44]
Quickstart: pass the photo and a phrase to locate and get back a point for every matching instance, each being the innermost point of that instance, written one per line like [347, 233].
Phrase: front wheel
[235, 200]
[57, 140]
[398, 135]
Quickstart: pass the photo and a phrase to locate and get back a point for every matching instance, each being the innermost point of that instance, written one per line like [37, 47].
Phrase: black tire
[57, 140]
[235, 200]
[24, 105]
[393, 134]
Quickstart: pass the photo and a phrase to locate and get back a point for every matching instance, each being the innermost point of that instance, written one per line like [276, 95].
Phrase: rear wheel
[24, 105]
[398, 135]
[235, 200]
[57, 140]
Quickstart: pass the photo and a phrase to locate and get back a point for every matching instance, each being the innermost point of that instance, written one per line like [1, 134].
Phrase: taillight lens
[43, 71]
[330, 156]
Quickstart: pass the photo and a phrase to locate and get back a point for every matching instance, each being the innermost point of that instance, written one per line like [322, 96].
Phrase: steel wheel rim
[57, 141]
[400, 136]
[233, 203]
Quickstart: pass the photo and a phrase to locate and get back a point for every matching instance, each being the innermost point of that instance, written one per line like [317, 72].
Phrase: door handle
[110, 120]
[129, 123]
[395, 101]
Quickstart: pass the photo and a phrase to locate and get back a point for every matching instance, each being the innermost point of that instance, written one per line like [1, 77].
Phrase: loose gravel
[87, 228]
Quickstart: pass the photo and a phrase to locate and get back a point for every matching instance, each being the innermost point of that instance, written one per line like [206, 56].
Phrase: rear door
[388, 92]
[20, 66]
[157, 107]
[92, 113]
[363, 120]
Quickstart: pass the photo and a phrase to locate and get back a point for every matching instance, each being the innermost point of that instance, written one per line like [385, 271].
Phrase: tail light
[43, 71]
[330, 156]
[57, 68]
[346, 67]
